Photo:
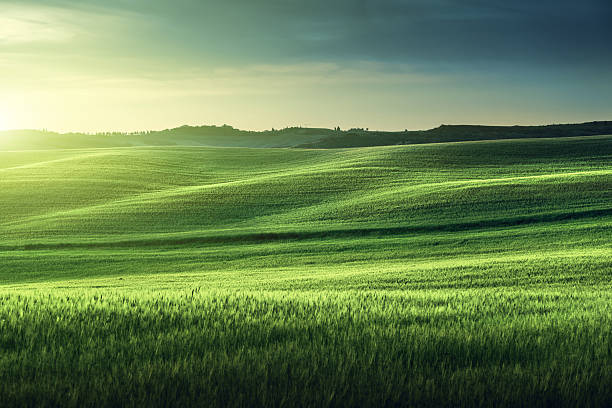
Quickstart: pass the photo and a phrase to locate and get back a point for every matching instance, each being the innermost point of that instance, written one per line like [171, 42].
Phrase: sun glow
[8, 118]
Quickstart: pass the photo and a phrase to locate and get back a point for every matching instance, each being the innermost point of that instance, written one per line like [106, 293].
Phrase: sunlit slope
[142, 194]
[425, 275]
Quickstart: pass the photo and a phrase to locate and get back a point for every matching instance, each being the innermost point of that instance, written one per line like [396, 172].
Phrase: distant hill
[211, 136]
[313, 138]
[456, 133]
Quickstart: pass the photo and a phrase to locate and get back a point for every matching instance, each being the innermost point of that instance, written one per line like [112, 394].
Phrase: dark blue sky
[387, 64]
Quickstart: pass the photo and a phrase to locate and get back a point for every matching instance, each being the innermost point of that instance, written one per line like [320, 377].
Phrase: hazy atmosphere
[100, 65]
[323, 203]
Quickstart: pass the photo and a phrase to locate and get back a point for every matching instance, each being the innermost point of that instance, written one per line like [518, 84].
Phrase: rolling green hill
[430, 274]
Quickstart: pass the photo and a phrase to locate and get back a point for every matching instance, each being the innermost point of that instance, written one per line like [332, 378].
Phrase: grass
[473, 273]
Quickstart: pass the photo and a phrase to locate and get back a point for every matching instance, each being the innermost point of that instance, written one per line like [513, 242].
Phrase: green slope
[137, 193]
[475, 193]
[425, 275]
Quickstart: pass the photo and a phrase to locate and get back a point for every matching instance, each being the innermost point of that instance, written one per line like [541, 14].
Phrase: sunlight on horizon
[109, 66]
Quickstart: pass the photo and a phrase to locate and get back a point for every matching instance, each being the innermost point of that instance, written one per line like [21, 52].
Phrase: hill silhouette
[312, 138]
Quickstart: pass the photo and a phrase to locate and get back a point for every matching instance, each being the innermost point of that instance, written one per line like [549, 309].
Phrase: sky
[110, 65]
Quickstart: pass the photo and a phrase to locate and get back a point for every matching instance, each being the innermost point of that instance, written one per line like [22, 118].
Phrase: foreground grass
[434, 347]
[527, 329]
[446, 275]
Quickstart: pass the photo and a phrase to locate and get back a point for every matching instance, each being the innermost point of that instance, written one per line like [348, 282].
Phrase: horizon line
[273, 129]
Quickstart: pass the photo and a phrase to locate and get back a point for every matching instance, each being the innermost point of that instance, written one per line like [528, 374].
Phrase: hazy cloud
[418, 31]
[399, 63]
[20, 25]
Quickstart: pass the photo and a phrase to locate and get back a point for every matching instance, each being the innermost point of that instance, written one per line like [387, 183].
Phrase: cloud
[310, 59]
[19, 25]
[216, 32]
[255, 79]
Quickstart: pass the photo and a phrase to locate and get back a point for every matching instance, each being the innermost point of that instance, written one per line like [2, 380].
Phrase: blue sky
[97, 65]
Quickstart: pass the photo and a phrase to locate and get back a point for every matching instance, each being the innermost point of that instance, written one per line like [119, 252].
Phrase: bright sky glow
[97, 65]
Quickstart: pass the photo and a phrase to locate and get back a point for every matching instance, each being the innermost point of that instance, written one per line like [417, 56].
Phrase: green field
[469, 273]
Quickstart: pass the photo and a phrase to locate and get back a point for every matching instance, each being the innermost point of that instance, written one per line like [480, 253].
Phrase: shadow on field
[331, 233]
